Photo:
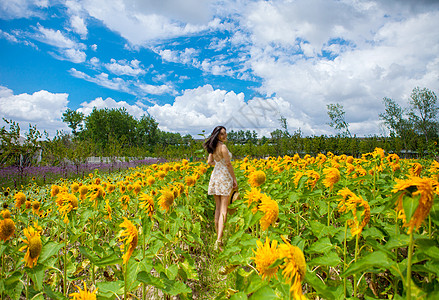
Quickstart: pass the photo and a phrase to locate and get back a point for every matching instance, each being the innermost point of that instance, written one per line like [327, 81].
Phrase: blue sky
[196, 64]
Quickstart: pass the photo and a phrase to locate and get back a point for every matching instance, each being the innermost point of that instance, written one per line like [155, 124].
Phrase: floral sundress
[221, 181]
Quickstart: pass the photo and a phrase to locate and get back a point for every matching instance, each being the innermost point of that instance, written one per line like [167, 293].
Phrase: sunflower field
[324, 227]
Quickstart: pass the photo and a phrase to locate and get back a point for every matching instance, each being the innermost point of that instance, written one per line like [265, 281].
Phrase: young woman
[222, 180]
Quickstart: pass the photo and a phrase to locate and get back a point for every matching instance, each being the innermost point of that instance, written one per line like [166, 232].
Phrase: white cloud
[381, 58]
[123, 67]
[43, 109]
[68, 49]
[204, 108]
[134, 110]
[156, 89]
[103, 79]
[77, 22]
[94, 47]
[15, 9]
[142, 21]
[188, 56]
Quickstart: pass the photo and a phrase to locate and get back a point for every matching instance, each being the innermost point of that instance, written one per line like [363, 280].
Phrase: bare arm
[210, 159]
[229, 166]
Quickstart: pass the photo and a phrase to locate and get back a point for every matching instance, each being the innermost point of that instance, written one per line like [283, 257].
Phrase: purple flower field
[13, 177]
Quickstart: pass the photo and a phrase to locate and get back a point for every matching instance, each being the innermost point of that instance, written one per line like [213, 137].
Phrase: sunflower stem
[429, 236]
[65, 261]
[357, 237]
[92, 249]
[125, 281]
[345, 258]
[409, 267]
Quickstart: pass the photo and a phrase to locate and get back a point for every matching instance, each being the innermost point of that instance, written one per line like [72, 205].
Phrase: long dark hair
[212, 141]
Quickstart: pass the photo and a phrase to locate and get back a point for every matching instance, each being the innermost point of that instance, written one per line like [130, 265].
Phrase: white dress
[221, 182]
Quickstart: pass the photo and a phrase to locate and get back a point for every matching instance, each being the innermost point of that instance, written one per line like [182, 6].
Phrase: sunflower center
[35, 246]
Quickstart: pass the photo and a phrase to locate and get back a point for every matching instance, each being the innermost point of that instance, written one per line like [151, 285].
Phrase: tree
[73, 120]
[147, 131]
[423, 112]
[102, 124]
[336, 114]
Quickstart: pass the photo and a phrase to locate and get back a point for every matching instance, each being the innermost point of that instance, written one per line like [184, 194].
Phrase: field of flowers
[330, 227]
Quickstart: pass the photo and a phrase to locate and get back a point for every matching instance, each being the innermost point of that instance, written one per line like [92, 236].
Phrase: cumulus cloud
[134, 110]
[371, 58]
[203, 108]
[43, 109]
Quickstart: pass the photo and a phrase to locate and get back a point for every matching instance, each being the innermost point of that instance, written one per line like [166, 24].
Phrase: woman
[223, 180]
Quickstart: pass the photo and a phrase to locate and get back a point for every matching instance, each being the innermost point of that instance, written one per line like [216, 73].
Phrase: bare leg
[224, 202]
[217, 210]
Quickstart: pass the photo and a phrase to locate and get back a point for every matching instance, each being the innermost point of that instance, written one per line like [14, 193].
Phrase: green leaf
[113, 259]
[37, 275]
[90, 255]
[323, 245]
[331, 259]
[53, 295]
[239, 296]
[110, 288]
[377, 259]
[410, 204]
[400, 240]
[48, 250]
[171, 272]
[189, 269]
[428, 247]
[265, 293]
[148, 279]
[323, 290]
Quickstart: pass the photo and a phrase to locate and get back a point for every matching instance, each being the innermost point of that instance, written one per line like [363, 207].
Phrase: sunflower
[36, 207]
[415, 169]
[257, 178]
[150, 180]
[20, 199]
[74, 187]
[332, 176]
[351, 203]
[108, 209]
[66, 203]
[313, 177]
[136, 188]
[265, 256]
[125, 200]
[190, 180]
[160, 174]
[54, 190]
[7, 229]
[97, 192]
[34, 246]
[166, 199]
[128, 236]
[83, 294]
[110, 188]
[253, 196]
[6, 214]
[83, 190]
[415, 187]
[271, 211]
[147, 203]
[28, 204]
[294, 267]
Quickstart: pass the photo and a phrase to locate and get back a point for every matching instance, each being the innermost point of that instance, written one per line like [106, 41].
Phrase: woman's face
[222, 136]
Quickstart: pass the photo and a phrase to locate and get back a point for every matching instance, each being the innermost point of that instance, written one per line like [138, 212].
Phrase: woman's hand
[235, 183]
